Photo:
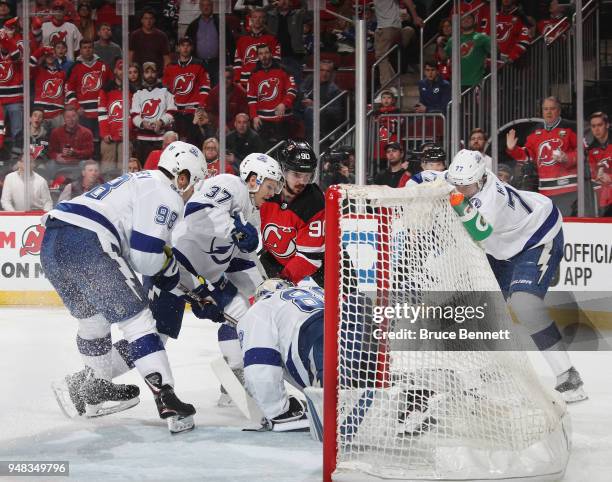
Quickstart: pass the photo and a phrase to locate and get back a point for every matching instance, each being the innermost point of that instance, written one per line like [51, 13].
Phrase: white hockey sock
[146, 347]
[122, 356]
[559, 361]
[230, 346]
[94, 344]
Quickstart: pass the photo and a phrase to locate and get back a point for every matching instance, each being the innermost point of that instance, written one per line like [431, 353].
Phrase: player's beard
[295, 192]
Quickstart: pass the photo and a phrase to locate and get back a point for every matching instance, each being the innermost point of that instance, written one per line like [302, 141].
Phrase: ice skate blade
[100, 410]
[62, 395]
[574, 396]
[301, 425]
[178, 424]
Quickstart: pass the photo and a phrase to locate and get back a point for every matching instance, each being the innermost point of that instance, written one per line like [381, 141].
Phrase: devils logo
[279, 240]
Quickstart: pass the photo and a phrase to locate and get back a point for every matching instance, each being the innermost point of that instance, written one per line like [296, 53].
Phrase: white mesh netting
[450, 412]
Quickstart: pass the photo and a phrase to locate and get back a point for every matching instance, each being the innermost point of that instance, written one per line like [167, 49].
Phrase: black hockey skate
[414, 416]
[102, 397]
[569, 385]
[178, 415]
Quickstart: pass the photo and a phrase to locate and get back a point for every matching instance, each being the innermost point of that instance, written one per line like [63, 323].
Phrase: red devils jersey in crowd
[555, 177]
[11, 75]
[189, 82]
[49, 80]
[246, 54]
[110, 111]
[84, 84]
[481, 12]
[512, 34]
[267, 88]
[151, 104]
[293, 236]
[553, 28]
[389, 128]
[600, 159]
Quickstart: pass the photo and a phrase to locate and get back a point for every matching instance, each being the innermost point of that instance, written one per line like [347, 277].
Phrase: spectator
[106, 12]
[600, 160]
[473, 56]
[308, 37]
[69, 144]
[85, 22]
[135, 77]
[110, 119]
[204, 31]
[90, 177]
[42, 10]
[134, 165]
[210, 149]
[479, 9]
[445, 31]
[478, 142]
[343, 33]
[5, 12]
[556, 24]
[153, 158]
[49, 85]
[201, 129]
[188, 81]
[389, 127]
[388, 33]
[271, 92]
[104, 47]
[287, 25]
[235, 103]
[58, 29]
[512, 31]
[232, 164]
[11, 82]
[247, 47]
[152, 112]
[392, 175]
[61, 57]
[333, 114]
[552, 148]
[149, 44]
[189, 10]
[13, 191]
[39, 135]
[86, 79]
[504, 173]
[243, 140]
[434, 91]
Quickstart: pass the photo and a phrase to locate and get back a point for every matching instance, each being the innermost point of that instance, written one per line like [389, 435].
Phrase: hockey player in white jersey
[93, 246]
[282, 339]
[433, 165]
[524, 251]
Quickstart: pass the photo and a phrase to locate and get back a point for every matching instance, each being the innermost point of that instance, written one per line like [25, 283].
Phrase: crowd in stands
[76, 87]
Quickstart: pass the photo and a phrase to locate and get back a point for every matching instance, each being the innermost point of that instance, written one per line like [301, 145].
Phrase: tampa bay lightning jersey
[136, 212]
[282, 337]
[425, 176]
[521, 219]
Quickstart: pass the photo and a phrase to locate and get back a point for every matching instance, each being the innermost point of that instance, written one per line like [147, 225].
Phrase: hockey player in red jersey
[188, 81]
[110, 118]
[87, 77]
[512, 31]
[271, 92]
[246, 47]
[49, 85]
[552, 148]
[292, 222]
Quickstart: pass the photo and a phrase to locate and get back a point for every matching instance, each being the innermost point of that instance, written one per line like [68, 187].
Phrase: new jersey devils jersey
[189, 83]
[512, 34]
[68, 32]
[84, 84]
[556, 177]
[11, 75]
[110, 111]
[293, 235]
[553, 28]
[480, 10]
[389, 128]
[151, 105]
[600, 159]
[245, 59]
[267, 88]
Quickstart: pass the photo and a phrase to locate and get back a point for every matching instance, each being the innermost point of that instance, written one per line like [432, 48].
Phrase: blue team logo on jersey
[360, 240]
[476, 202]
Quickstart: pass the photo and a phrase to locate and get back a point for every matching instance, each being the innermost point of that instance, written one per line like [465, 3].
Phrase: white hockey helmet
[468, 167]
[271, 285]
[264, 167]
[180, 156]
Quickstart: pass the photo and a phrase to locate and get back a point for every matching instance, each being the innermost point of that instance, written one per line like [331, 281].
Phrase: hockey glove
[245, 235]
[207, 311]
[168, 277]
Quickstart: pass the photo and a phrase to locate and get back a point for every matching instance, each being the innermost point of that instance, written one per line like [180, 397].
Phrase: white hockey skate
[570, 386]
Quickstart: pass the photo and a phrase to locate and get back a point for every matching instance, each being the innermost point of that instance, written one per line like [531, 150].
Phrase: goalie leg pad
[314, 402]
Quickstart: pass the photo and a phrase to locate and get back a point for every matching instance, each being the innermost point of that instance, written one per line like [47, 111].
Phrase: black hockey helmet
[297, 156]
[433, 153]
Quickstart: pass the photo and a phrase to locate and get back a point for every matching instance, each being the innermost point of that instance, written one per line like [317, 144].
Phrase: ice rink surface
[38, 345]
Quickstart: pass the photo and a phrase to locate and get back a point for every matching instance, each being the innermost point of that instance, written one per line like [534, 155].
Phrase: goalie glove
[244, 235]
[168, 277]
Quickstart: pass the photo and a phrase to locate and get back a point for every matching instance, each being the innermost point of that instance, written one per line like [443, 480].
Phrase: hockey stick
[194, 297]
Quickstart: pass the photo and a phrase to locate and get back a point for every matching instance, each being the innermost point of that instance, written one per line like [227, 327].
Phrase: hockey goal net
[427, 410]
